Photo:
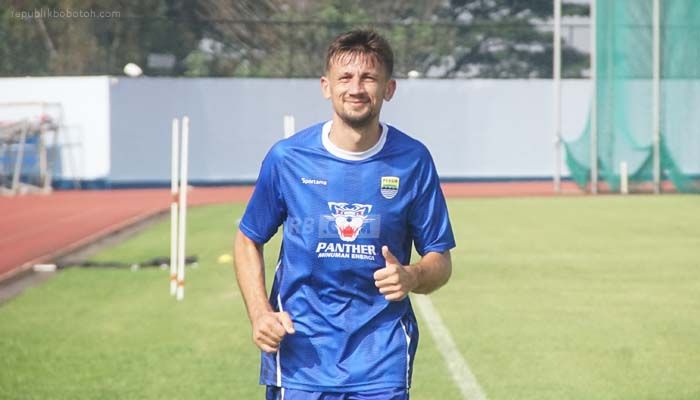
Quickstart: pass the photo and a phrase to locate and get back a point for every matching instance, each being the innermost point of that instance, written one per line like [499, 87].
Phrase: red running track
[36, 229]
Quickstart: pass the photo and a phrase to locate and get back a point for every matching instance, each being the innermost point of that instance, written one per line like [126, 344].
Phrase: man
[353, 195]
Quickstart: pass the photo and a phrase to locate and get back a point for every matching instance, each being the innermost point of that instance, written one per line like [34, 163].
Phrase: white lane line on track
[459, 370]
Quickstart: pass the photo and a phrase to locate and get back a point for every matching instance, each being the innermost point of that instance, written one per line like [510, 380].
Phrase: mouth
[347, 231]
[357, 102]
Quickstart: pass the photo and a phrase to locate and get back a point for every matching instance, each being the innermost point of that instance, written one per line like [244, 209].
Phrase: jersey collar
[352, 155]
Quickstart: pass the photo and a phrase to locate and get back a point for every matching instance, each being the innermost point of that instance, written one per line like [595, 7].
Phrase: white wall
[488, 128]
[233, 123]
[474, 128]
[85, 105]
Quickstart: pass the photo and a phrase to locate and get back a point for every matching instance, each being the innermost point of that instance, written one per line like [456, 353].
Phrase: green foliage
[197, 64]
[284, 38]
[21, 49]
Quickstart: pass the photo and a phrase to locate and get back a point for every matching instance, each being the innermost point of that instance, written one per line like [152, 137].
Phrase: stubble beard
[360, 121]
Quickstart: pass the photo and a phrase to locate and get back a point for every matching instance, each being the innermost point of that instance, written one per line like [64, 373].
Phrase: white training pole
[594, 103]
[182, 223]
[655, 115]
[174, 156]
[624, 187]
[557, 95]
[288, 126]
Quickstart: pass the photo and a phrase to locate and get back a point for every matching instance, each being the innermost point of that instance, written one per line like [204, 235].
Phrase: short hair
[361, 42]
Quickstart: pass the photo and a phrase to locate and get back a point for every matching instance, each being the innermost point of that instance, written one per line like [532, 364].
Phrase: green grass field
[551, 298]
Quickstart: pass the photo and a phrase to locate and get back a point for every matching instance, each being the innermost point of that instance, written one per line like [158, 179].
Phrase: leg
[278, 393]
[380, 394]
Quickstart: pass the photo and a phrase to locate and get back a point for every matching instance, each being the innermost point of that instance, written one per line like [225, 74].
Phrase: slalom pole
[182, 223]
[288, 126]
[624, 180]
[175, 141]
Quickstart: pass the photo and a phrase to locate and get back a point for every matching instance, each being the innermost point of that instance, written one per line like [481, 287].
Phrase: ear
[325, 87]
[390, 89]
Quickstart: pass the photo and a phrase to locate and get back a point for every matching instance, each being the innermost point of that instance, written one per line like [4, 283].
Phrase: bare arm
[432, 271]
[396, 281]
[269, 327]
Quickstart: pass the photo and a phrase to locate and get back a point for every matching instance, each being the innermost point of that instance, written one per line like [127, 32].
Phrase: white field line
[459, 370]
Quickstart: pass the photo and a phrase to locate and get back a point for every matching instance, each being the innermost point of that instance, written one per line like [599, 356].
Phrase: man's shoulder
[405, 143]
[305, 138]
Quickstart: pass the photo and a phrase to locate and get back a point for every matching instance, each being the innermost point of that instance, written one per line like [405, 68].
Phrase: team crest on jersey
[389, 186]
[349, 218]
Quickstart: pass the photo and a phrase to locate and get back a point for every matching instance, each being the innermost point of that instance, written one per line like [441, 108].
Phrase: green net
[624, 101]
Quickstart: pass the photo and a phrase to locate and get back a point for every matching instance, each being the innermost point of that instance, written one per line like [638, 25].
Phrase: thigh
[277, 393]
[380, 394]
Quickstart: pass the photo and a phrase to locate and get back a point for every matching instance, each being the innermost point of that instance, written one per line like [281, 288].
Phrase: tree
[500, 39]
[285, 38]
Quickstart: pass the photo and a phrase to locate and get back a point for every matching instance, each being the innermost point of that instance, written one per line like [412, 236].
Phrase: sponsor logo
[307, 181]
[349, 219]
[389, 186]
[347, 222]
[346, 250]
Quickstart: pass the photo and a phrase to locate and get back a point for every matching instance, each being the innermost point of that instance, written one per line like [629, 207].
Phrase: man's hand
[269, 328]
[394, 281]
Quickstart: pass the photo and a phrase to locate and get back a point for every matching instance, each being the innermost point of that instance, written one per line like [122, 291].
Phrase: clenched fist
[394, 281]
[269, 328]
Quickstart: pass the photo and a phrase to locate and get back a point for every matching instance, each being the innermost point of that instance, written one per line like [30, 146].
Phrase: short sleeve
[266, 209]
[428, 217]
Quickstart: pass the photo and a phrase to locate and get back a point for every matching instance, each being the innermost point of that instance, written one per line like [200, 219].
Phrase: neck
[354, 138]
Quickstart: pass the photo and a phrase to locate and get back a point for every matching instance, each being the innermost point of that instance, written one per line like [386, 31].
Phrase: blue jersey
[338, 209]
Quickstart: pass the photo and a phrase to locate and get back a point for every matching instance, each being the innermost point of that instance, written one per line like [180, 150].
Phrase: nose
[356, 86]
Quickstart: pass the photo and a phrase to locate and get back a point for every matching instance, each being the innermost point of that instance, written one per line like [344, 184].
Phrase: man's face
[357, 86]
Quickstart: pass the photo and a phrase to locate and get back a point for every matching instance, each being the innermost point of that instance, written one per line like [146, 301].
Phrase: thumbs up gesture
[394, 281]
